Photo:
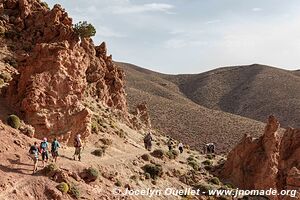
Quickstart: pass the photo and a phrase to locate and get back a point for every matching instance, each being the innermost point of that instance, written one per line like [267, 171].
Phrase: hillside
[253, 91]
[176, 115]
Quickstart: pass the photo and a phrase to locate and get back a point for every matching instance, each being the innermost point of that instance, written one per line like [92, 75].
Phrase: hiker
[44, 151]
[148, 141]
[209, 148]
[54, 149]
[180, 147]
[170, 144]
[34, 154]
[78, 147]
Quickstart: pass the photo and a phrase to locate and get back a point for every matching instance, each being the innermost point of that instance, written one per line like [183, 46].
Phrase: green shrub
[50, 169]
[13, 121]
[74, 192]
[147, 176]
[145, 157]
[99, 152]
[92, 174]
[158, 153]
[203, 187]
[155, 171]
[207, 162]
[172, 154]
[63, 187]
[215, 181]
[118, 183]
[94, 127]
[84, 29]
[45, 5]
[191, 158]
[210, 156]
[194, 164]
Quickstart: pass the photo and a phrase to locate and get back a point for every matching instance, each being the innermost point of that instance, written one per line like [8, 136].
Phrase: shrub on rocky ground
[145, 157]
[158, 153]
[172, 154]
[207, 162]
[155, 171]
[50, 169]
[89, 175]
[74, 191]
[118, 183]
[215, 181]
[63, 187]
[99, 152]
[14, 121]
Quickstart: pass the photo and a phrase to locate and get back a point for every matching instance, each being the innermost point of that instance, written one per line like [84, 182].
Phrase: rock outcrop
[57, 71]
[141, 117]
[271, 161]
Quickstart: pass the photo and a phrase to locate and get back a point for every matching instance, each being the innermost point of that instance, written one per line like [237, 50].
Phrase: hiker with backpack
[148, 141]
[170, 144]
[78, 147]
[44, 151]
[54, 149]
[34, 154]
[209, 148]
[180, 147]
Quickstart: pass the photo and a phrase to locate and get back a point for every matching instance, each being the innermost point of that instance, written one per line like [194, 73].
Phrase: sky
[193, 36]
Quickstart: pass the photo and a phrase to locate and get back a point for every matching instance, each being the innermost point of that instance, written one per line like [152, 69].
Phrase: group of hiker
[208, 148]
[43, 150]
[170, 143]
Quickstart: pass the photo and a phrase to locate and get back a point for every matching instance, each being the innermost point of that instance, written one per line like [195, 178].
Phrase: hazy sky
[191, 36]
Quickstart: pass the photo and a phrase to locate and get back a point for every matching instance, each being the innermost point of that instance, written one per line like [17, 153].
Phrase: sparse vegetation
[118, 183]
[194, 164]
[145, 157]
[158, 153]
[84, 29]
[154, 170]
[13, 121]
[50, 169]
[91, 174]
[45, 5]
[172, 154]
[74, 192]
[215, 181]
[209, 156]
[147, 176]
[99, 152]
[203, 187]
[63, 187]
[2, 31]
[207, 162]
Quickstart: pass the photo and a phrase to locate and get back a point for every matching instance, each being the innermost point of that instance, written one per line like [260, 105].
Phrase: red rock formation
[270, 161]
[57, 71]
[141, 117]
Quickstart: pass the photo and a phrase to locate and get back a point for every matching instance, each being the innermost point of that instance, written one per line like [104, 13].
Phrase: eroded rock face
[140, 118]
[270, 161]
[57, 71]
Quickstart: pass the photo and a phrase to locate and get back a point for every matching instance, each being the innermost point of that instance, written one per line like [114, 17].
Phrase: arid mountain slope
[253, 91]
[180, 117]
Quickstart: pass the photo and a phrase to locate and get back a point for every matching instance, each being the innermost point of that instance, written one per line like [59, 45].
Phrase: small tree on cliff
[84, 29]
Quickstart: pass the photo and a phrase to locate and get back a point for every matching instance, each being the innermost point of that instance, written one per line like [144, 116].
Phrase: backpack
[77, 142]
[44, 146]
[54, 146]
[33, 149]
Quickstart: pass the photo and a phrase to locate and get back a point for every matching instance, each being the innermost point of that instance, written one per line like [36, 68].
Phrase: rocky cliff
[271, 161]
[57, 70]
